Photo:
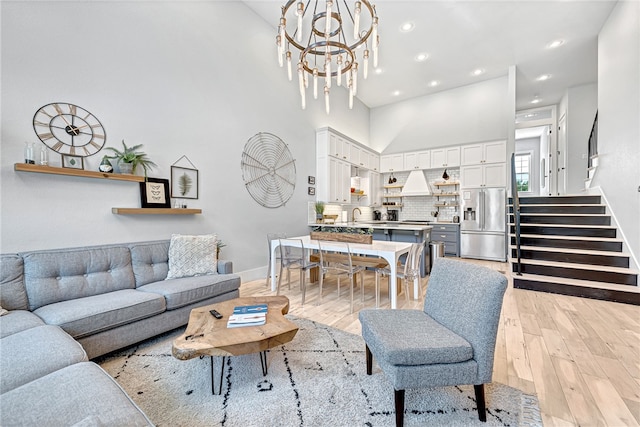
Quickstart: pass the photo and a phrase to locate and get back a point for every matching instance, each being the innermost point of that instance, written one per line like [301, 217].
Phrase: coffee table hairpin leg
[213, 387]
[263, 364]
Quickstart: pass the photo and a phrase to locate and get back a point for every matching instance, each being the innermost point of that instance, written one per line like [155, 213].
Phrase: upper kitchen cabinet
[480, 176]
[447, 157]
[488, 152]
[334, 144]
[392, 162]
[417, 160]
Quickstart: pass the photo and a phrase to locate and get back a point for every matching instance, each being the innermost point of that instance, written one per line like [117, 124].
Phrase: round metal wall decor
[268, 170]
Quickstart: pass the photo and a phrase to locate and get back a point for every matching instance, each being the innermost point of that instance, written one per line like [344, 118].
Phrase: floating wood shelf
[24, 167]
[444, 184]
[155, 211]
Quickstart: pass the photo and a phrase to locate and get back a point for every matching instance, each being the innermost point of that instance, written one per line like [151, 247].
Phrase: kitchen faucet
[353, 214]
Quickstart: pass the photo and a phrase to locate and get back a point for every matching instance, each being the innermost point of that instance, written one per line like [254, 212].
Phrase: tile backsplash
[423, 207]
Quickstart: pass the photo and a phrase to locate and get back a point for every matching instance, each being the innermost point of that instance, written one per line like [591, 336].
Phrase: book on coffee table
[248, 315]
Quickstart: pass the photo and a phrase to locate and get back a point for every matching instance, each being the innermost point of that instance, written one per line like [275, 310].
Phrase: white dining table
[389, 251]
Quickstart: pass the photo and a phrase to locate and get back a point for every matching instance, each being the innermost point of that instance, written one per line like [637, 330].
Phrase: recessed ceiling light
[556, 43]
[407, 26]
[378, 71]
[536, 100]
[477, 71]
[421, 57]
[434, 83]
[544, 77]
[395, 93]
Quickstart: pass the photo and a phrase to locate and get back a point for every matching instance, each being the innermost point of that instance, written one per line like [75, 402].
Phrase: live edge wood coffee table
[206, 335]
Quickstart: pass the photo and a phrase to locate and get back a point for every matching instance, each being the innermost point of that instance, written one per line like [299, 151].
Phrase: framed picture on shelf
[154, 193]
[72, 162]
[184, 183]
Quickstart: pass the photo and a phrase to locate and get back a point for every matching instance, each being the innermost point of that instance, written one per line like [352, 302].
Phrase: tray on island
[342, 237]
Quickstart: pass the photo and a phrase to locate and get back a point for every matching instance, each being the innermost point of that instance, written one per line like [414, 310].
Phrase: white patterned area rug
[318, 379]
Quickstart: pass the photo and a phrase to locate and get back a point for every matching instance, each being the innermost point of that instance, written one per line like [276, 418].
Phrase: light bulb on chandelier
[326, 48]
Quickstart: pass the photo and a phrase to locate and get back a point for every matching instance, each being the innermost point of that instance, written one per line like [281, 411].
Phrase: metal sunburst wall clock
[268, 170]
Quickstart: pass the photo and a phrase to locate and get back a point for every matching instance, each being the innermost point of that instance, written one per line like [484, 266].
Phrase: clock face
[69, 129]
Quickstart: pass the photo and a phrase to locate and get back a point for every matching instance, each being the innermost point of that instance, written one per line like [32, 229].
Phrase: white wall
[580, 104]
[176, 76]
[478, 112]
[618, 173]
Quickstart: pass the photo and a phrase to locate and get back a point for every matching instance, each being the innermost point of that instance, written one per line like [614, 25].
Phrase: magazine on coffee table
[248, 315]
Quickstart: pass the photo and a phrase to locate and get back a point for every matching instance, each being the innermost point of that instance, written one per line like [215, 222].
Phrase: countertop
[379, 225]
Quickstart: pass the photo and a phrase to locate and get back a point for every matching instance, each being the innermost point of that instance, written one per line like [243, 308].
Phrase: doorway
[535, 134]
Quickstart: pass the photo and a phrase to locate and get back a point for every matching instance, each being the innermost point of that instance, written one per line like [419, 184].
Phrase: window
[523, 172]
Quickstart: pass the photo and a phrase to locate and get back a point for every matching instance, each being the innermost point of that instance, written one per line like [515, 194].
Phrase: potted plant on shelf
[129, 158]
[319, 211]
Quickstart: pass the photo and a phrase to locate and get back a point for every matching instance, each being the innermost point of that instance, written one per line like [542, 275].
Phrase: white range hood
[416, 185]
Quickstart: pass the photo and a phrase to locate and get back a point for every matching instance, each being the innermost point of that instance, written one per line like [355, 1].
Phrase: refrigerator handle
[482, 210]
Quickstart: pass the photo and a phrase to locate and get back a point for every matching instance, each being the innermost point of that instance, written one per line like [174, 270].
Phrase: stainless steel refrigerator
[483, 223]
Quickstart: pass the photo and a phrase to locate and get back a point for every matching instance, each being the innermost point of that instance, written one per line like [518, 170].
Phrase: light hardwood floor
[581, 357]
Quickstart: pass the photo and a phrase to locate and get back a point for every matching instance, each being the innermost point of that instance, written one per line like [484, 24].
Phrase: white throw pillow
[3, 311]
[192, 255]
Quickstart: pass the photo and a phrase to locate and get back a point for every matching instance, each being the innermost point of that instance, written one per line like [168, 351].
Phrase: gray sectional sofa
[67, 306]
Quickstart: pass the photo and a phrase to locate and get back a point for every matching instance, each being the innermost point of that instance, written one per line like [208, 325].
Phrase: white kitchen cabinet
[392, 162]
[339, 147]
[489, 175]
[374, 162]
[417, 160]
[488, 152]
[339, 181]
[375, 189]
[447, 157]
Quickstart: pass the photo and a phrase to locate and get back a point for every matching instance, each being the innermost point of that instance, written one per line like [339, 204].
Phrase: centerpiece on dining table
[343, 234]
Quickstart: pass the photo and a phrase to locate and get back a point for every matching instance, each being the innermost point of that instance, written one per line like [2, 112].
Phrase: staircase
[568, 246]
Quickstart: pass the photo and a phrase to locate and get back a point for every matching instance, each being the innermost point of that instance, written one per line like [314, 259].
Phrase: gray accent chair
[450, 342]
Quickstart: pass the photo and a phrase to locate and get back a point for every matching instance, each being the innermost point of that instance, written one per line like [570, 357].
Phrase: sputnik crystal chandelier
[326, 48]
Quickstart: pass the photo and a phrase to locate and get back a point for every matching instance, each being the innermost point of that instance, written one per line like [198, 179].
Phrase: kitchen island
[393, 232]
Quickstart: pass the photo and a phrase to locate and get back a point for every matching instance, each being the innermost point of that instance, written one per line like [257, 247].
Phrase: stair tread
[578, 282]
[568, 205]
[603, 268]
[561, 237]
[542, 224]
[560, 214]
[574, 251]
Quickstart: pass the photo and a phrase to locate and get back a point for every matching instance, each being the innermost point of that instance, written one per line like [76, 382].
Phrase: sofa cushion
[192, 255]
[17, 321]
[34, 353]
[86, 316]
[404, 337]
[150, 261]
[69, 396]
[65, 274]
[13, 295]
[189, 290]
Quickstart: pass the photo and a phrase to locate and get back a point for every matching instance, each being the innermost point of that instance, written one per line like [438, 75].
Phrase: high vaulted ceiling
[462, 36]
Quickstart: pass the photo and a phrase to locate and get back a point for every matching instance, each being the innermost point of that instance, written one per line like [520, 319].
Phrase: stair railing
[516, 210]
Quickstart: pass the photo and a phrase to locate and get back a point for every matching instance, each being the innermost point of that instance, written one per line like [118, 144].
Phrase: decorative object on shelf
[343, 234]
[29, 148]
[44, 156]
[154, 193]
[311, 180]
[184, 181]
[319, 207]
[268, 170]
[69, 129]
[105, 165]
[329, 48]
[445, 175]
[72, 162]
[130, 157]
[311, 191]
[392, 179]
